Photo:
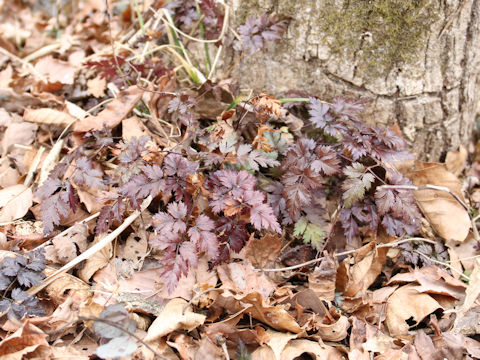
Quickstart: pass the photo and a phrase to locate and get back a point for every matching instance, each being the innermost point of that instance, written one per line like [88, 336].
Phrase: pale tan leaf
[97, 86]
[48, 116]
[407, 303]
[75, 110]
[336, 331]
[74, 240]
[114, 113]
[296, 348]
[471, 294]
[355, 275]
[27, 340]
[456, 160]
[274, 316]
[95, 262]
[15, 202]
[242, 279]
[133, 127]
[432, 280]
[6, 76]
[56, 70]
[446, 215]
[322, 279]
[173, 318]
[18, 133]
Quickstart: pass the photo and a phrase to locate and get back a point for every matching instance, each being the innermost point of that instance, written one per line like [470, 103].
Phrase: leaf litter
[150, 210]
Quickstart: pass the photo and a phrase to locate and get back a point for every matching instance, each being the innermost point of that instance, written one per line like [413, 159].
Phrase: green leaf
[314, 235]
[310, 232]
[300, 226]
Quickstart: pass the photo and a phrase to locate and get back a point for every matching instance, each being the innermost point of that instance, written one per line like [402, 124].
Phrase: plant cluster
[211, 195]
[17, 274]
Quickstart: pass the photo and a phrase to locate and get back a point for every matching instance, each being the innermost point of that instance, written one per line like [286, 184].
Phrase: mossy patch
[383, 33]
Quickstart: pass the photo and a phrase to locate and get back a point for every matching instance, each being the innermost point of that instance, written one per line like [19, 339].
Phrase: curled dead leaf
[404, 304]
[173, 318]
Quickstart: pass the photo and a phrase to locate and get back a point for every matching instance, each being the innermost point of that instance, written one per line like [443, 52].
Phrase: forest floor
[151, 208]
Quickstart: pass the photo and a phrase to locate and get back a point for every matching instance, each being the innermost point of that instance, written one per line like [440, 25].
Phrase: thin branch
[348, 252]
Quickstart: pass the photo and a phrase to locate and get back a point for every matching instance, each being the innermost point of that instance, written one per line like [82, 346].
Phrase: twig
[348, 252]
[92, 250]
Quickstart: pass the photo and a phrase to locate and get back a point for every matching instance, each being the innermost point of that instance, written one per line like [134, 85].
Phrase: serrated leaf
[300, 226]
[314, 235]
[357, 183]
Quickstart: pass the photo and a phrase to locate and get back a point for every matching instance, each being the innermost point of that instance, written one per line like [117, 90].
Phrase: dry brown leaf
[67, 246]
[68, 352]
[295, 348]
[456, 160]
[446, 215]
[432, 280]
[471, 294]
[114, 112]
[133, 127]
[461, 253]
[15, 102]
[463, 343]
[6, 76]
[18, 133]
[379, 343]
[274, 316]
[355, 275]
[322, 279]
[96, 262]
[242, 279]
[56, 71]
[173, 318]
[264, 251]
[15, 201]
[407, 303]
[29, 341]
[336, 331]
[97, 86]
[48, 116]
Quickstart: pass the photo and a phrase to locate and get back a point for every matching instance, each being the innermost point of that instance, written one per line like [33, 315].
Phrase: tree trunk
[418, 60]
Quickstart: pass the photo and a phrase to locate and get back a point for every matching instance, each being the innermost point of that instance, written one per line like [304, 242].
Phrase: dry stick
[94, 249]
[348, 252]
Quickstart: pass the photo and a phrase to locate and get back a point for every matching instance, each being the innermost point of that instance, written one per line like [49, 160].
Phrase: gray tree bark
[420, 67]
